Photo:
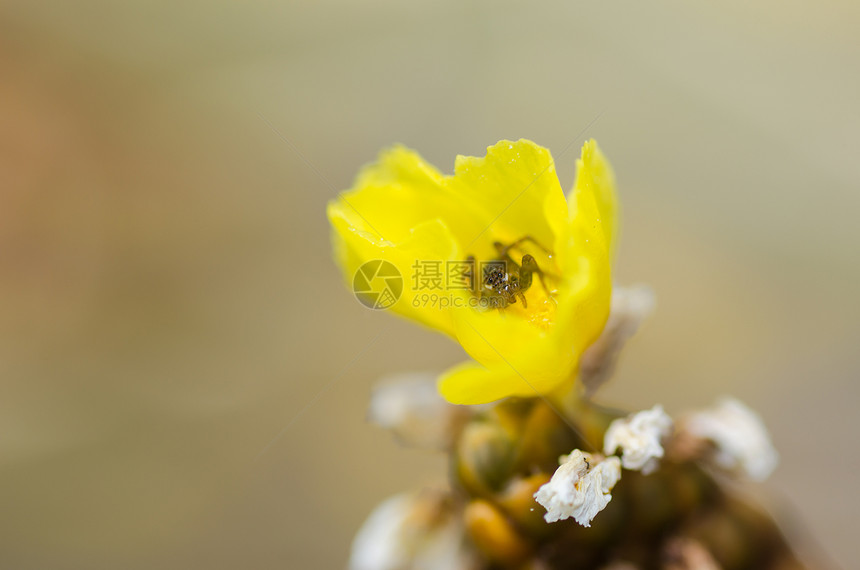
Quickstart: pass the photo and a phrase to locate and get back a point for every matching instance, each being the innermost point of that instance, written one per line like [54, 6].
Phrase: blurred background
[168, 302]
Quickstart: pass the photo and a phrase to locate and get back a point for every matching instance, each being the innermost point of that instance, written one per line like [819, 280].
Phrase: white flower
[409, 405]
[741, 440]
[377, 544]
[579, 488]
[411, 532]
[638, 435]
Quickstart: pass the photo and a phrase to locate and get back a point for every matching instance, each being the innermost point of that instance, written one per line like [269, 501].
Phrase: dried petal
[580, 487]
[741, 440]
[411, 408]
[638, 436]
[411, 532]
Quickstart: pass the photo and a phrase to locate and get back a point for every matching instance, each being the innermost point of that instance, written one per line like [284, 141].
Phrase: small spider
[504, 280]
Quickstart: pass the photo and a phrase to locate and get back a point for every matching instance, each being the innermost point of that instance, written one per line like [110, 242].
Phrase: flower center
[522, 280]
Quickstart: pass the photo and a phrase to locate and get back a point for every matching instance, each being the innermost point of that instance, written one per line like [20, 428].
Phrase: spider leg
[527, 270]
[504, 254]
[504, 249]
[473, 277]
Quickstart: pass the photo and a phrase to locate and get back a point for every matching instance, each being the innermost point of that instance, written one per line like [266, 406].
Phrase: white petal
[377, 544]
[411, 531]
[638, 436]
[580, 487]
[409, 405]
[741, 440]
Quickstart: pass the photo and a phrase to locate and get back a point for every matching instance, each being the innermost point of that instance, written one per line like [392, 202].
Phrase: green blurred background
[168, 303]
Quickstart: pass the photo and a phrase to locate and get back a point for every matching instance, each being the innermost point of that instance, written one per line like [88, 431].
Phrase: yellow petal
[428, 241]
[399, 192]
[471, 383]
[586, 256]
[519, 356]
[513, 359]
[516, 190]
[595, 177]
[402, 210]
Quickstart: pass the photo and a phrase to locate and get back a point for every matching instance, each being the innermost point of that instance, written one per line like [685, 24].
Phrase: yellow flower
[403, 210]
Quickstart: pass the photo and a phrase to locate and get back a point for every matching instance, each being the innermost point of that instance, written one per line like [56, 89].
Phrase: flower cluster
[580, 487]
[530, 298]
